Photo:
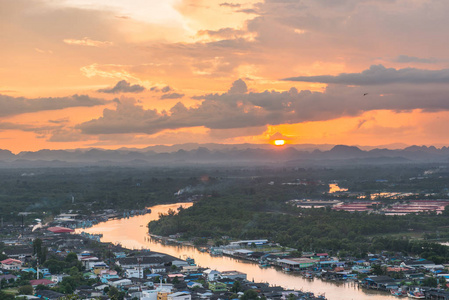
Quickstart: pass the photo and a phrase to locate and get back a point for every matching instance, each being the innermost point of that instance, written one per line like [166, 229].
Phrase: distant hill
[231, 155]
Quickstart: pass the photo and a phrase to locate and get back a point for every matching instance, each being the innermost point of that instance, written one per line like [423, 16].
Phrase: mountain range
[238, 154]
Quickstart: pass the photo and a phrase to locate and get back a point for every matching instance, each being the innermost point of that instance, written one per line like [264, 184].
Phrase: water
[132, 233]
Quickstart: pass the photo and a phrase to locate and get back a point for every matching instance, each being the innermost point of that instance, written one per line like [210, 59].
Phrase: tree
[430, 282]
[26, 290]
[39, 251]
[250, 294]
[236, 287]
[71, 258]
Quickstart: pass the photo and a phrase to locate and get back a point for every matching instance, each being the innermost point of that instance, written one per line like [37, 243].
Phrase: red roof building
[59, 229]
[45, 282]
[10, 264]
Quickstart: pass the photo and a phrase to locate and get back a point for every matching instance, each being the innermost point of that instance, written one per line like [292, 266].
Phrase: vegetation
[254, 209]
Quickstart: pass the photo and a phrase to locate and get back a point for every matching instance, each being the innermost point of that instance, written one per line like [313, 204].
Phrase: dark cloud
[123, 86]
[59, 121]
[238, 87]
[26, 127]
[378, 74]
[226, 33]
[19, 105]
[232, 5]
[166, 89]
[412, 59]
[248, 11]
[172, 96]
[244, 110]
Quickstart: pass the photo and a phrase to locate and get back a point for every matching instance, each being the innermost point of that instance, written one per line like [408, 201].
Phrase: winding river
[132, 233]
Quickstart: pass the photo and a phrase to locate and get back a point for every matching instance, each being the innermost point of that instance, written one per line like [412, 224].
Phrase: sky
[136, 73]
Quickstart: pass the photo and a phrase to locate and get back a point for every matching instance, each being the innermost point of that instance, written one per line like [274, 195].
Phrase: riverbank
[133, 234]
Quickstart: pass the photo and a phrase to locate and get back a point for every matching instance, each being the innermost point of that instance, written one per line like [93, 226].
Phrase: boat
[263, 264]
[398, 292]
[190, 261]
[308, 275]
[416, 294]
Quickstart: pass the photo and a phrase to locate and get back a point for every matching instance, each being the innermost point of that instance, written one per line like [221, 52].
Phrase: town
[51, 262]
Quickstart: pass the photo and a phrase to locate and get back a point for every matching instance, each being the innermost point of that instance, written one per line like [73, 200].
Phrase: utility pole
[139, 260]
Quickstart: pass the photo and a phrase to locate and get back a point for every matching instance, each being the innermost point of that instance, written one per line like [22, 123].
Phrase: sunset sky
[135, 73]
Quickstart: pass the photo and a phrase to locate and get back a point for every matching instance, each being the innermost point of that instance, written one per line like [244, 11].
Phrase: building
[179, 296]
[11, 264]
[233, 275]
[211, 275]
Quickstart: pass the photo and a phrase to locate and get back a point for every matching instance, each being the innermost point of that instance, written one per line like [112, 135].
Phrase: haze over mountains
[238, 154]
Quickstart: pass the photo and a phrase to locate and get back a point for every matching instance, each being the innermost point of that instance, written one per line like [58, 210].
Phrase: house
[142, 262]
[58, 277]
[99, 267]
[134, 272]
[380, 283]
[179, 277]
[193, 284]
[233, 275]
[48, 294]
[8, 277]
[179, 296]
[419, 263]
[180, 263]
[11, 264]
[18, 252]
[211, 275]
[296, 263]
[118, 282]
[46, 282]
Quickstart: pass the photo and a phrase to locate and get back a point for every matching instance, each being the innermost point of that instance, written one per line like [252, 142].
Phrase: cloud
[64, 135]
[224, 33]
[26, 127]
[59, 121]
[172, 96]
[412, 59]
[20, 105]
[166, 89]
[378, 74]
[238, 87]
[87, 42]
[232, 110]
[123, 87]
[232, 5]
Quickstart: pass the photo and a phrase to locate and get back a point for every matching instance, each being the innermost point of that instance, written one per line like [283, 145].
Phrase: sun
[279, 142]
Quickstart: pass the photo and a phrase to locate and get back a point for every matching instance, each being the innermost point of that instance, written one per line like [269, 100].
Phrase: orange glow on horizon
[279, 142]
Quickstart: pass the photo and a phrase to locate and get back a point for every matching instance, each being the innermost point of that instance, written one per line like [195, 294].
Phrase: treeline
[88, 188]
[253, 217]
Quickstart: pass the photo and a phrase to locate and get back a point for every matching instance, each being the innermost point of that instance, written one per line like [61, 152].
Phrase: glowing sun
[279, 142]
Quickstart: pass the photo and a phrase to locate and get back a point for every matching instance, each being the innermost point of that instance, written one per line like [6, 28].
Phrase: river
[132, 233]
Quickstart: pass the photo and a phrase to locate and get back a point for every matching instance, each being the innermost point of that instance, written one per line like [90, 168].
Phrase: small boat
[263, 264]
[308, 275]
[416, 294]
[398, 292]
[190, 261]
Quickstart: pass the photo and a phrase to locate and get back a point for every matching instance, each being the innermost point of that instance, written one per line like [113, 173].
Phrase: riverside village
[52, 262]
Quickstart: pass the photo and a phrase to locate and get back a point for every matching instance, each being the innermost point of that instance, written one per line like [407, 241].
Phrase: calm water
[132, 233]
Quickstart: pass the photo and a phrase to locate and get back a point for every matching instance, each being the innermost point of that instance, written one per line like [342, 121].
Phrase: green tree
[39, 250]
[236, 287]
[430, 282]
[250, 294]
[26, 290]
